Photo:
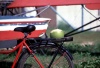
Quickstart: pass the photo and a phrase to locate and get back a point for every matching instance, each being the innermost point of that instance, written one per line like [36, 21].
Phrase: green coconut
[57, 33]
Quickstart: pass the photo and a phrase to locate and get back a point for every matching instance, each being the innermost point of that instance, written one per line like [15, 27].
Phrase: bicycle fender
[69, 54]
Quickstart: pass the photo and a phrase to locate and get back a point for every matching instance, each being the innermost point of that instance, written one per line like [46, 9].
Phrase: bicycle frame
[20, 47]
[56, 52]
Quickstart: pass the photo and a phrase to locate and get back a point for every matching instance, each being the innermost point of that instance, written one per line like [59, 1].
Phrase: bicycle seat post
[25, 35]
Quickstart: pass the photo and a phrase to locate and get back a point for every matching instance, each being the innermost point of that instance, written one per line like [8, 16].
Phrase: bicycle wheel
[45, 54]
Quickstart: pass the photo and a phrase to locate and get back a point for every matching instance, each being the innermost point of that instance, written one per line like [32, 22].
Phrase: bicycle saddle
[27, 29]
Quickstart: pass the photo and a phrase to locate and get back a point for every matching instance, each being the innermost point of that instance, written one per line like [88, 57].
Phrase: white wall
[73, 15]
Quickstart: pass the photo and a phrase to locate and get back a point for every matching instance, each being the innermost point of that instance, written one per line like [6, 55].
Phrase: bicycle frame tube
[37, 60]
[40, 64]
[20, 47]
[11, 51]
[18, 54]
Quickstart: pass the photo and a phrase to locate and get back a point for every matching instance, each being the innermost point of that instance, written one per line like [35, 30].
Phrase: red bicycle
[40, 52]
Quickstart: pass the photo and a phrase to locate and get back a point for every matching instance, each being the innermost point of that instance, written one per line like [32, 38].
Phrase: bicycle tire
[26, 58]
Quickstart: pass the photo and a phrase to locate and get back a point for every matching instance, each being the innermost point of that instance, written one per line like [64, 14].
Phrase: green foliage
[86, 48]
[89, 64]
[87, 56]
[96, 48]
[64, 26]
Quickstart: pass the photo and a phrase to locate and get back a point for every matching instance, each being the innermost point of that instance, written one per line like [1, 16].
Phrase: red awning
[93, 6]
[30, 3]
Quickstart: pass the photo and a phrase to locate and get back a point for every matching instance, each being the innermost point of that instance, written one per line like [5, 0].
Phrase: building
[77, 16]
